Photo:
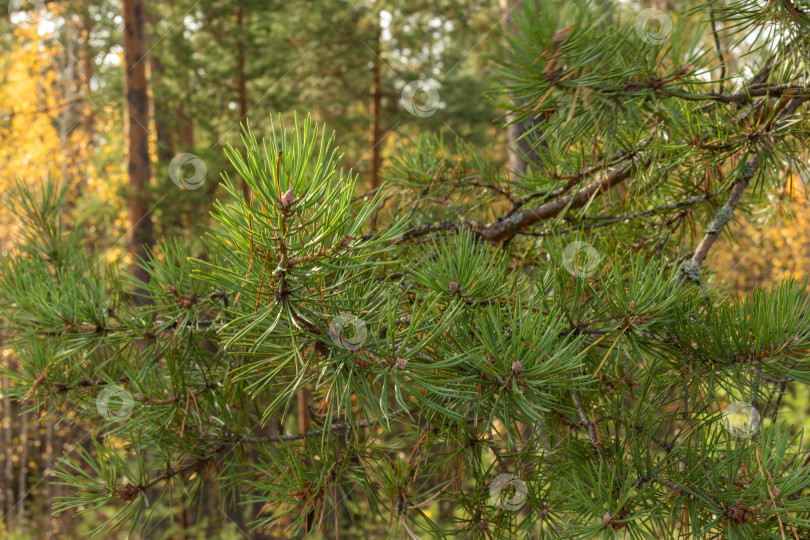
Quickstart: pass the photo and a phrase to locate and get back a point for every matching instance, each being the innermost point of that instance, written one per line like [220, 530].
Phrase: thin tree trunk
[89, 119]
[519, 147]
[8, 438]
[186, 128]
[21, 484]
[242, 82]
[234, 511]
[303, 410]
[164, 135]
[376, 111]
[65, 116]
[160, 111]
[141, 234]
[50, 488]
[376, 117]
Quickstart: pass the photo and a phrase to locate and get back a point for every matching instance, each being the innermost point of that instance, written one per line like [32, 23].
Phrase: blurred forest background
[70, 110]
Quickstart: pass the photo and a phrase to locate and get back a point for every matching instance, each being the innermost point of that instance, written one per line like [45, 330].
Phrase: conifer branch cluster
[537, 356]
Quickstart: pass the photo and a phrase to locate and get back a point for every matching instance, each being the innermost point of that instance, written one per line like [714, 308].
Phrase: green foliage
[459, 324]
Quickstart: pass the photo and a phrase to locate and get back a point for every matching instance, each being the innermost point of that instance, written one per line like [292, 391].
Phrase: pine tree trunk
[23, 460]
[234, 511]
[242, 82]
[164, 135]
[89, 120]
[376, 112]
[8, 438]
[65, 116]
[141, 234]
[50, 488]
[519, 147]
[186, 127]
[303, 410]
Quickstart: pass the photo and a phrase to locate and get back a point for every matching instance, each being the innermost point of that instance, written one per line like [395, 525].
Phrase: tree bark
[163, 134]
[502, 231]
[519, 147]
[303, 410]
[50, 491]
[65, 121]
[8, 438]
[376, 112]
[242, 81]
[141, 233]
[21, 484]
[87, 59]
[186, 127]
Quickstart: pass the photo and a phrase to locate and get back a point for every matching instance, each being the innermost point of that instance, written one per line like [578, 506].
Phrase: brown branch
[572, 180]
[504, 230]
[719, 49]
[130, 492]
[583, 417]
[426, 229]
[605, 221]
[691, 269]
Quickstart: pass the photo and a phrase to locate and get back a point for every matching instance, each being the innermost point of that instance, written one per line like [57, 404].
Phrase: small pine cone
[129, 492]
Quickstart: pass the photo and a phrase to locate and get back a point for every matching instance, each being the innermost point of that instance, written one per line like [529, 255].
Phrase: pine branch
[691, 270]
[501, 231]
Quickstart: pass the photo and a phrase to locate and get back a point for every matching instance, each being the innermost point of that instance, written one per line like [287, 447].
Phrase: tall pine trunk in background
[242, 80]
[8, 438]
[141, 233]
[376, 113]
[87, 65]
[163, 133]
[519, 147]
[22, 488]
[186, 122]
[376, 109]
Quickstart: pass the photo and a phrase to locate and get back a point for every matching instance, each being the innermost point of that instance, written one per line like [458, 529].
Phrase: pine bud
[559, 37]
[517, 368]
[287, 199]
[402, 363]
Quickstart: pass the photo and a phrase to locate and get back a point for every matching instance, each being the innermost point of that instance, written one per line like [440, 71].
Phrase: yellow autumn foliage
[776, 249]
[43, 107]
